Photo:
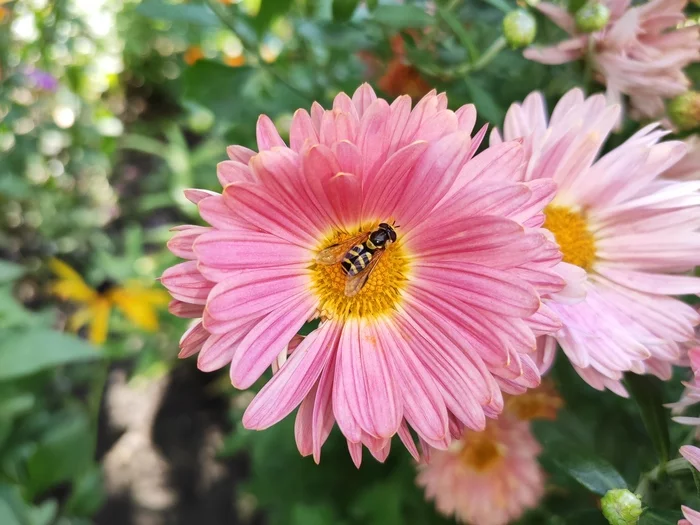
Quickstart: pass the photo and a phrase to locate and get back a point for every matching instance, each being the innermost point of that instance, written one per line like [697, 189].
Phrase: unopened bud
[593, 16]
[684, 110]
[519, 28]
[621, 507]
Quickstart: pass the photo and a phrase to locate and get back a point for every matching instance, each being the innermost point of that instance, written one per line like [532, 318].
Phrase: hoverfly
[359, 255]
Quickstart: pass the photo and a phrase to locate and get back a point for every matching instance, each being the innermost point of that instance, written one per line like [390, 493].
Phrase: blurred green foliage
[147, 95]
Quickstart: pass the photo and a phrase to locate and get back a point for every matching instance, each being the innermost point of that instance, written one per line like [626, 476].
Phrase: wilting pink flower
[486, 478]
[692, 517]
[445, 322]
[688, 168]
[628, 238]
[639, 53]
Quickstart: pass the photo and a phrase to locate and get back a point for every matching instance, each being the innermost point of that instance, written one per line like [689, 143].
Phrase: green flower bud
[621, 507]
[684, 110]
[519, 28]
[593, 16]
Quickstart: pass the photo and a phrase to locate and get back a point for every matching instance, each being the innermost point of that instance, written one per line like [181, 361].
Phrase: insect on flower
[359, 255]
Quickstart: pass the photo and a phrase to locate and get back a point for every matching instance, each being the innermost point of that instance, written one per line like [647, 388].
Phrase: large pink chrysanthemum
[447, 319]
[487, 478]
[627, 237]
[639, 53]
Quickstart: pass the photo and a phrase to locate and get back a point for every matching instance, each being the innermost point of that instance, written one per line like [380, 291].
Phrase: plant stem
[491, 52]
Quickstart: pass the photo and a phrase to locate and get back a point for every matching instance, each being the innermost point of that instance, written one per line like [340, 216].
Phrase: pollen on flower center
[571, 232]
[482, 450]
[380, 294]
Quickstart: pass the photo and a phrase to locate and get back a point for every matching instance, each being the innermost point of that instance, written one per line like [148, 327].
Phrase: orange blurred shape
[4, 13]
[193, 54]
[401, 78]
[234, 60]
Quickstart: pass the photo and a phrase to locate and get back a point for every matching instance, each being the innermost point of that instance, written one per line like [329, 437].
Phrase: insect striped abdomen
[356, 260]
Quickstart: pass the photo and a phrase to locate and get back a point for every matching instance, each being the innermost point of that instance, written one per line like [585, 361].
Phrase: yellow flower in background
[135, 301]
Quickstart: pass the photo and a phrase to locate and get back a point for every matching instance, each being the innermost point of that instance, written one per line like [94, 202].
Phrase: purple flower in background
[41, 79]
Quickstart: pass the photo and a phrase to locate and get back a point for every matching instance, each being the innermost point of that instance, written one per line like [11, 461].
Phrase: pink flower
[692, 455]
[691, 396]
[689, 166]
[447, 319]
[639, 53]
[487, 478]
[692, 517]
[628, 238]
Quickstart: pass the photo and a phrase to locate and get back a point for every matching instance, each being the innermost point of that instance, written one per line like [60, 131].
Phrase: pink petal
[267, 135]
[240, 153]
[692, 454]
[301, 131]
[221, 253]
[295, 379]
[424, 407]
[267, 339]
[192, 340]
[185, 283]
[219, 349]
[185, 310]
[363, 97]
[255, 292]
[181, 243]
[230, 171]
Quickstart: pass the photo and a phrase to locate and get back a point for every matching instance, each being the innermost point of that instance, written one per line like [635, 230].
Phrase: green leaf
[646, 392]
[486, 105]
[43, 514]
[696, 479]
[88, 494]
[7, 517]
[26, 353]
[594, 473]
[460, 32]
[10, 271]
[659, 517]
[192, 13]
[62, 454]
[401, 16]
[344, 9]
[313, 515]
[212, 85]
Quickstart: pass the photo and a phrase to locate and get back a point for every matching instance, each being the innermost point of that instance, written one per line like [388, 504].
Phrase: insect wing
[334, 254]
[354, 284]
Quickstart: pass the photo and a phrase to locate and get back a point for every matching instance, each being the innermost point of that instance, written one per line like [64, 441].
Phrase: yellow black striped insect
[359, 255]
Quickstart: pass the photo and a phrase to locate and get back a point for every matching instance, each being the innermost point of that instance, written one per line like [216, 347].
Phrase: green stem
[491, 52]
[223, 16]
[671, 467]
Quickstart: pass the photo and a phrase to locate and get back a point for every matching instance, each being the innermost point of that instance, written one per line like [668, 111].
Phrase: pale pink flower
[445, 323]
[486, 478]
[688, 168]
[639, 53]
[692, 455]
[628, 237]
[692, 517]
[691, 396]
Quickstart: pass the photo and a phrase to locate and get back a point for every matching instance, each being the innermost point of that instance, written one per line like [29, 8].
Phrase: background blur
[108, 110]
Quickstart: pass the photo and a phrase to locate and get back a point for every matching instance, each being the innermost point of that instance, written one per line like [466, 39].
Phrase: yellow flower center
[570, 229]
[482, 450]
[379, 295]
